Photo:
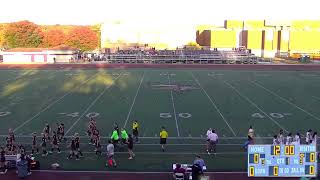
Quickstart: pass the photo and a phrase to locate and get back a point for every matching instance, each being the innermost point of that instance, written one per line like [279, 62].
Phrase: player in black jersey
[44, 144]
[95, 136]
[61, 133]
[77, 142]
[47, 131]
[34, 143]
[73, 150]
[98, 147]
[3, 165]
[54, 143]
[11, 136]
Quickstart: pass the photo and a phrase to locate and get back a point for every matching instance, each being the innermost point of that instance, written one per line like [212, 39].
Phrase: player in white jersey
[309, 136]
[281, 137]
[275, 140]
[297, 139]
[314, 138]
[289, 139]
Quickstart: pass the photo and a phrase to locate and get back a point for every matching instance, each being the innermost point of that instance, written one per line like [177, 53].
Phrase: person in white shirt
[280, 137]
[289, 139]
[208, 140]
[297, 139]
[309, 136]
[110, 155]
[314, 138]
[275, 140]
[213, 140]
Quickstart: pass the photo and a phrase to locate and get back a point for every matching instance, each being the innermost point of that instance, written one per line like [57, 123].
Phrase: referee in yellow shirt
[163, 138]
[135, 131]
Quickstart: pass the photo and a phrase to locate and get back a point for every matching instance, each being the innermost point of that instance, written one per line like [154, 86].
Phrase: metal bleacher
[184, 57]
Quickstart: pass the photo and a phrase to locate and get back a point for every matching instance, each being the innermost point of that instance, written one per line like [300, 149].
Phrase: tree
[83, 38]
[23, 34]
[2, 39]
[54, 37]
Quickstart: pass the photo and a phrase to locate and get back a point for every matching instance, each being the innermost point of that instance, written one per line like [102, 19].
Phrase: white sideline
[129, 172]
[134, 100]
[254, 104]
[50, 105]
[146, 137]
[214, 105]
[92, 103]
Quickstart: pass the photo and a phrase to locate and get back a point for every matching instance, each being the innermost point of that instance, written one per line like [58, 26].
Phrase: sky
[86, 12]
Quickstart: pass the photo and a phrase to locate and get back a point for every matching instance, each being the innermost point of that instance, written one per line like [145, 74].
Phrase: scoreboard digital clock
[282, 160]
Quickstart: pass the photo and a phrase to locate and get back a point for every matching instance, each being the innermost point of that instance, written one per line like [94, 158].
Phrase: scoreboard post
[282, 161]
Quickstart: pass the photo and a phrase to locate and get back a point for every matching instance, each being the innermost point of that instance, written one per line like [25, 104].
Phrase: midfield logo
[173, 87]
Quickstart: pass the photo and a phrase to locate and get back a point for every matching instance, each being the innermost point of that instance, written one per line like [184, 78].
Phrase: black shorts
[44, 145]
[2, 159]
[135, 132]
[163, 140]
[124, 141]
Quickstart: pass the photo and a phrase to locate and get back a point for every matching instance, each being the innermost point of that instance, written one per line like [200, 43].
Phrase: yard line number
[76, 114]
[181, 115]
[274, 115]
[4, 113]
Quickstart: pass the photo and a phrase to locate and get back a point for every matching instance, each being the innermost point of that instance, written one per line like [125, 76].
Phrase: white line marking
[164, 153]
[317, 98]
[255, 105]
[174, 108]
[292, 104]
[92, 104]
[87, 145]
[50, 105]
[214, 105]
[146, 137]
[134, 100]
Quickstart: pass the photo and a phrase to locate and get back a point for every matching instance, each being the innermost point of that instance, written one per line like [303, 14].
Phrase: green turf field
[228, 101]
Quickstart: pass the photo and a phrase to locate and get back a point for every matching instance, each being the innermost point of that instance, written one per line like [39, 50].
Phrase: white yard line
[214, 105]
[317, 98]
[92, 104]
[285, 100]
[174, 108]
[50, 105]
[255, 105]
[134, 100]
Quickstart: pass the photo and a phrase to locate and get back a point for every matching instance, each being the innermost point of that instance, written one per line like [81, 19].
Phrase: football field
[185, 101]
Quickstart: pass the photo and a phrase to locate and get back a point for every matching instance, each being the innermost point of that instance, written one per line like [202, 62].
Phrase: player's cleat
[130, 158]
[50, 152]
[59, 152]
[29, 173]
[77, 159]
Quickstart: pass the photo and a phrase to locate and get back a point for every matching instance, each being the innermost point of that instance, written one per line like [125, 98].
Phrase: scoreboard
[282, 160]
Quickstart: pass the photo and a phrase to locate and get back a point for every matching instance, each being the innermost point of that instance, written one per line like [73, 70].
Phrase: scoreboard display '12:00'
[282, 160]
